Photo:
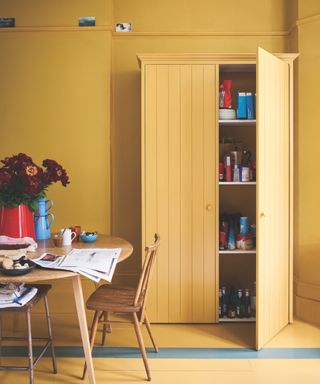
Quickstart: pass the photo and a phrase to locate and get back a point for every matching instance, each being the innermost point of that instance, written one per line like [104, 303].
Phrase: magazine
[94, 263]
[16, 295]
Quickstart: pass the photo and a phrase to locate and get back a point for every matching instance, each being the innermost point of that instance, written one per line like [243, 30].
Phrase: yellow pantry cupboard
[182, 197]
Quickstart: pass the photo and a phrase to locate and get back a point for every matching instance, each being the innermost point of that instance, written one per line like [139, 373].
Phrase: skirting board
[176, 353]
[307, 310]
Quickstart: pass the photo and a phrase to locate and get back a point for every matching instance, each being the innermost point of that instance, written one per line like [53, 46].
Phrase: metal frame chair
[42, 293]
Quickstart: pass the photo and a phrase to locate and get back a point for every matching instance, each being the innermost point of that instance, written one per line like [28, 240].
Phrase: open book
[94, 263]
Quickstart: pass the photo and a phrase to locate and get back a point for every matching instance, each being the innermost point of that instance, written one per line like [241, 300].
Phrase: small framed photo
[123, 27]
[88, 21]
[7, 22]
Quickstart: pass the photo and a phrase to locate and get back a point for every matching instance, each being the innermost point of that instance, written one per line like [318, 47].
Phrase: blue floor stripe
[176, 353]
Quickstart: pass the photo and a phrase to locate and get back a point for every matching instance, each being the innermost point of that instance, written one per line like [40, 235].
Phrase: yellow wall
[307, 207]
[203, 15]
[31, 13]
[56, 101]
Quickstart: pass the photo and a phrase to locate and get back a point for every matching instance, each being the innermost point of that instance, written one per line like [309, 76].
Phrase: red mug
[77, 230]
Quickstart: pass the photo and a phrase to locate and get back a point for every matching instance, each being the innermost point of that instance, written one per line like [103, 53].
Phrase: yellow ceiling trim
[58, 29]
[308, 20]
[200, 34]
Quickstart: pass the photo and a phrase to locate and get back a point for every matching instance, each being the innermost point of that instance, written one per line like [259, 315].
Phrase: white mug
[67, 236]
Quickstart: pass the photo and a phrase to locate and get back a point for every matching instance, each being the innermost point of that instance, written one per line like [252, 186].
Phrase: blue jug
[42, 226]
[43, 206]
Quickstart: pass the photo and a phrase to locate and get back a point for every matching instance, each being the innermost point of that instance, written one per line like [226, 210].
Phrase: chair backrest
[148, 264]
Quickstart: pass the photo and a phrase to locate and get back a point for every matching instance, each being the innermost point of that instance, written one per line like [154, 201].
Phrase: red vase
[16, 222]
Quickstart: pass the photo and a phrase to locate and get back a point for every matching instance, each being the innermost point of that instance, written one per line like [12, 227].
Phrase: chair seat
[42, 291]
[112, 298]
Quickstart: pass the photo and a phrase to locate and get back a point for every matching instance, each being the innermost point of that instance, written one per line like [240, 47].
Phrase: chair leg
[0, 336]
[30, 354]
[106, 328]
[93, 332]
[53, 355]
[147, 323]
[141, 344]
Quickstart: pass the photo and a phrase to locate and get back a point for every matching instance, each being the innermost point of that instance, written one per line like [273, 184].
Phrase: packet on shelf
[244, 242]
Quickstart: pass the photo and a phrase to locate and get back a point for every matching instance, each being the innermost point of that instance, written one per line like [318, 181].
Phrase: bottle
[239, 304]
[224, 303]
[221, 96]
[247, 304]
[253, 300]
[223, 244]
[236, 174]
[232, 304]
[231, 237]
[220, 302]
[221, 171]
[228, 168]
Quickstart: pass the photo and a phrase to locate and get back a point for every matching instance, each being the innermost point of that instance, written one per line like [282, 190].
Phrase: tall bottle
[239, 304]
[224, 302]
[220, 302]
[247, 304]
[228, 168]
[232, 304]
[231, 237]
[253, 300]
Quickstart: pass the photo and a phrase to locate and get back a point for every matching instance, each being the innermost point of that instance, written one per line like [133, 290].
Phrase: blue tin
[242, 106]
[249, 106]
[244, 226]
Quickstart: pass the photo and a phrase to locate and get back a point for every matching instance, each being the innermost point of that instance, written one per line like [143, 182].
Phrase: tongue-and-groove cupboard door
[178, 195]
[273, 226]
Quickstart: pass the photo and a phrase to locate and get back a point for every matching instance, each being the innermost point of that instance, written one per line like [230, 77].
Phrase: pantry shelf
[237, 122]
[237, 320]
[237, 182]
[237, 251]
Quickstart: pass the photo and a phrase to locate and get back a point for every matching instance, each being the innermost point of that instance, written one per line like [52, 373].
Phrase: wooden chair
[125, 300]
[27, 308]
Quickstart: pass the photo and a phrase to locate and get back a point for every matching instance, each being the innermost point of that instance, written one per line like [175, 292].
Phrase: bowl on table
[89, 237]
[19, 267]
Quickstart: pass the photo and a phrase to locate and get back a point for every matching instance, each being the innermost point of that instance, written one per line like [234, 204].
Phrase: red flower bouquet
[24, 182]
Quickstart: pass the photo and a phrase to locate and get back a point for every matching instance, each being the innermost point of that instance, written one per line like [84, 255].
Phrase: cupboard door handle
[262, 214]
[209, 207]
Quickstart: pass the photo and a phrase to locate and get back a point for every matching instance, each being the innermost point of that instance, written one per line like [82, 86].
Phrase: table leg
[78, 295]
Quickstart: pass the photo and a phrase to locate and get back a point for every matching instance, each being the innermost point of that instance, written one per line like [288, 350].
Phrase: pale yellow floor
[178, 372]
[185, 371]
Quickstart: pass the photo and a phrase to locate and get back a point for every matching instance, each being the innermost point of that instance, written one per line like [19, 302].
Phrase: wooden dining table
[40, 274]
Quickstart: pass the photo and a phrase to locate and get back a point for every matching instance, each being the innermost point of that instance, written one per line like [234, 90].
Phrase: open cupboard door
[273, 194]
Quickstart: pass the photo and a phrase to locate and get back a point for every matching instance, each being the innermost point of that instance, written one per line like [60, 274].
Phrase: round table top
[46, 246]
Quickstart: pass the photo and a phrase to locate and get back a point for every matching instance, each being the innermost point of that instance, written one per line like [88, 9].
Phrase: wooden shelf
[237, 251]
[237, 123]
[237, 320]
[237, 182]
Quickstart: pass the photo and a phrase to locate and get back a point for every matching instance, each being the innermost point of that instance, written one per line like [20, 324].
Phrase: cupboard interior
[238, 270]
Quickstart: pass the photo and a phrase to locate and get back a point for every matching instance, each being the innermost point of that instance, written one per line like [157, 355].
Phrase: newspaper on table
[94, 263]
[16, 295]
